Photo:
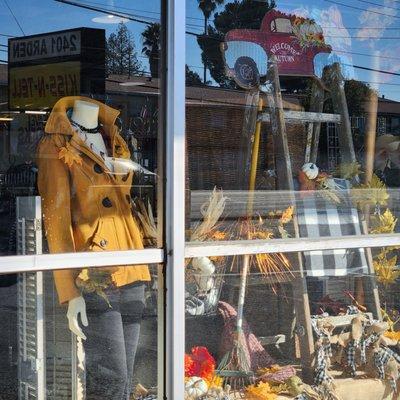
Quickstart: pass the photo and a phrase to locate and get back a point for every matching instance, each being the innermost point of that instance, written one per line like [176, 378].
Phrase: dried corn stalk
[147, 222]
[211, 211]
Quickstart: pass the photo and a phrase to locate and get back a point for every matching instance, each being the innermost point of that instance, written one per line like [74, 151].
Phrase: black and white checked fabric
[319, 217]
[324, 353]
[381, 358]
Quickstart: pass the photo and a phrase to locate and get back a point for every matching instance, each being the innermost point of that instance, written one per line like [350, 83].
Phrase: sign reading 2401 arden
[44, 68]
[45, 46]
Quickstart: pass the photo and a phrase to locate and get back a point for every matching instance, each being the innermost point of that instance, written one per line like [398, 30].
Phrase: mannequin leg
[105, 351]
[132, 305]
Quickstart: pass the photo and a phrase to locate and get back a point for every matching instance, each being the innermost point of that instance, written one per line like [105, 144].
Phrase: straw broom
[234, 367]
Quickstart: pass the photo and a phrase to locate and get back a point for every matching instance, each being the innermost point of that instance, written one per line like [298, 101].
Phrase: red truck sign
[293, 41]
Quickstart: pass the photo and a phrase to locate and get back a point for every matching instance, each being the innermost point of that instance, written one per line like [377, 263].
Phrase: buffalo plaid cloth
[324, 353]
[381, 358]
[319, 217]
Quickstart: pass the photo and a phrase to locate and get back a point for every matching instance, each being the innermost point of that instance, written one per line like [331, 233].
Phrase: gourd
[311, 170]
[195, 387]
[203, 265]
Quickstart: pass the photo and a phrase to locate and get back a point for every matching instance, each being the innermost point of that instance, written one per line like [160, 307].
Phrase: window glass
[79, 117]
[114, 351]
[282, 325]
[291, 121]
[291, 113]
[80, 171]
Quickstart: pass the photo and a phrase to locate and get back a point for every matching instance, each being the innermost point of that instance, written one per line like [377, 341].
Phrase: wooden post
[370, 136]
[248, 129]
[285, 181]
[340, 107]
[316, 105]
[347, 152]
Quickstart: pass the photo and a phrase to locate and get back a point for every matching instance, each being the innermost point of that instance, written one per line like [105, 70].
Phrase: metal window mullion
[46, 262]
[241, 247]
[175, 199]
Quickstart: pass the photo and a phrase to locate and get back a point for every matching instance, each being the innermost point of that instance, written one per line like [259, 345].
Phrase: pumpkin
[203, 265]
[195, 387]
[311, 170]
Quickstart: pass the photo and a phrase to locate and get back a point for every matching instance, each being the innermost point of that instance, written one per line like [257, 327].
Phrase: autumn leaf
[287, 215]
[384, 223]
[348, 170]
[69, 155]
[386, 269]
[262, 391]
[373, 193]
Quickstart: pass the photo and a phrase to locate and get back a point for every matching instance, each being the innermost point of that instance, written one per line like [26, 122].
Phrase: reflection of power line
[362, 9]
[217, 38]
[366, 55]
[122, 8]
[379, 5]
[380, 83]
[358, 28]
[15, 18]
[372, 69]
[130, 17]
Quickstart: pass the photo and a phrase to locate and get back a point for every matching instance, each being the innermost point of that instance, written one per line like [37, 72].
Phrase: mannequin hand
[77, 306]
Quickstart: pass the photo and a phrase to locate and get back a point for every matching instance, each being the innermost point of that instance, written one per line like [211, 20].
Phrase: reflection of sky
[356, 29]
[38, 16]
[360, 37]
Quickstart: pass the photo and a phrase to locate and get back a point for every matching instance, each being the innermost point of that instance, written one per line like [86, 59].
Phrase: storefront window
[116, 332]
[292, 174]
[257, 333]
[81, 171]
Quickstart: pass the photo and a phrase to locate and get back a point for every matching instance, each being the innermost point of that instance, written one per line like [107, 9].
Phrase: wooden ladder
[332, 83]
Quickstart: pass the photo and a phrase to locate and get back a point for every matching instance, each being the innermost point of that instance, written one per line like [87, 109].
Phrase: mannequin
[86, 207]
[86, 115]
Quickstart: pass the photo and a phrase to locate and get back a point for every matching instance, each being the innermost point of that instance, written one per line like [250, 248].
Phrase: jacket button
[128, 198]
[103, 242]
[97, 168]
[106, 202]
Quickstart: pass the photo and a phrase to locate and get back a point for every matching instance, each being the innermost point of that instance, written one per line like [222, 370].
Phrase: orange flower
[69, 155]
[189, 366]
[200, 363]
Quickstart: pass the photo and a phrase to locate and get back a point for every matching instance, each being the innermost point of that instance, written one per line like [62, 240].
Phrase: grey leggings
[112, 339]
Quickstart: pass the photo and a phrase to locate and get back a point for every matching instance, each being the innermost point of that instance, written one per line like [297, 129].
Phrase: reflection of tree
[151, 47]
[192, 78]
[356, 94]
[121, 56]
[207, 7]
[245, 14]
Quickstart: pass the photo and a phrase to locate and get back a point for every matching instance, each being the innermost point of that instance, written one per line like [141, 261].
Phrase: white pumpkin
[195, 387]
[311, 170]
[203, 265]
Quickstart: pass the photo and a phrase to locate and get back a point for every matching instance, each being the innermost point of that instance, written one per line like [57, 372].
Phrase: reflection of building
[218, 139]
[388, 122]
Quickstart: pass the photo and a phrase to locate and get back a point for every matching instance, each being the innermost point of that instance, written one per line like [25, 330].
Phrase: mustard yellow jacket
[85, 208]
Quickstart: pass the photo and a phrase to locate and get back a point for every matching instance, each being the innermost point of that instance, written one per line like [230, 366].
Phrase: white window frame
[171, 371]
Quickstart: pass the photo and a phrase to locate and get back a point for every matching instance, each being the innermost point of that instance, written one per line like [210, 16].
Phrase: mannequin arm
[77, 306]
